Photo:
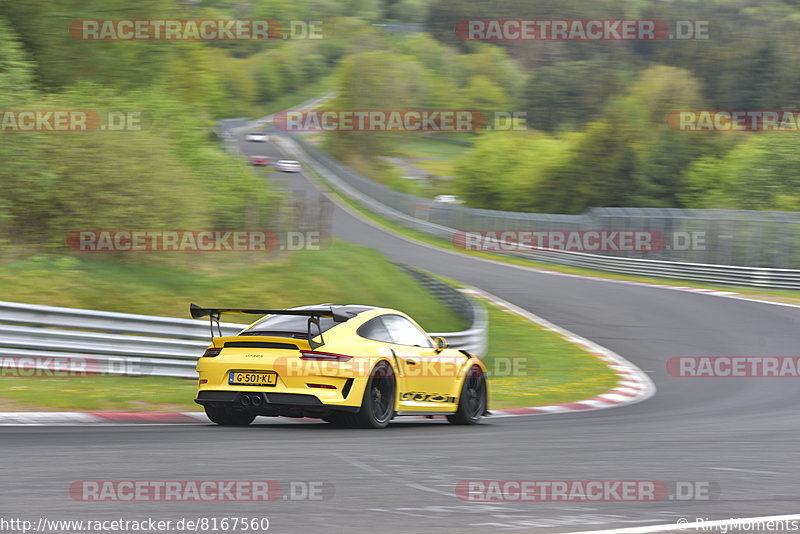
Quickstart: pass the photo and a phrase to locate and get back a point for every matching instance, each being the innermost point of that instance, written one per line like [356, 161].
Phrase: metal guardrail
[473, 340]
[404, 208]
[51, 337]
[60, 340]
[716, 274]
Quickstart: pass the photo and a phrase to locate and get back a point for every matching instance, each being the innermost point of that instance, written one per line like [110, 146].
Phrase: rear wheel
[377, 405]
[472, 403]
[228, 417]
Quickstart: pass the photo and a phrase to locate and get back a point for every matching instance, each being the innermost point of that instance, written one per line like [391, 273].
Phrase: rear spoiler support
[214, 315]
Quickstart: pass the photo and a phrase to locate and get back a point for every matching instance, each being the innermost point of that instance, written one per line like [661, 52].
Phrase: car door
[376, 330]
[427, 376]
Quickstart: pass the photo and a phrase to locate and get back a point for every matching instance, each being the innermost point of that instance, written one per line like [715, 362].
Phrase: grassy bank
[531, 366]
[343, 273]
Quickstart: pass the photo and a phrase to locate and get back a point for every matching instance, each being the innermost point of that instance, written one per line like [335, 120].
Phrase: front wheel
[472, 403]
[228, 417]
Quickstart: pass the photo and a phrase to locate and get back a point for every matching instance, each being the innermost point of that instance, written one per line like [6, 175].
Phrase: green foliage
[761, 174]
[377, 79]
[170, 173]
[626, 157]
[504, 170]
[409, 10]
[566, 96]
[596, 109]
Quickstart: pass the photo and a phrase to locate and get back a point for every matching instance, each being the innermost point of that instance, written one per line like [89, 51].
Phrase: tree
[377, 80]
[760, 174]
[566, 96]
[409, 11]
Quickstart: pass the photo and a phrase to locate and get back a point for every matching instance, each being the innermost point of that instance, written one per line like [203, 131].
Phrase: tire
[377, 405]
[228, 417]
[472, 402]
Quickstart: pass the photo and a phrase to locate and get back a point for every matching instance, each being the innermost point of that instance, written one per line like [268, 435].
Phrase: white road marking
[700, 525]
[735, 469]
[375, 470]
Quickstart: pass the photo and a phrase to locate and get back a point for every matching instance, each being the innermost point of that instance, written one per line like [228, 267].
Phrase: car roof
[350, 309]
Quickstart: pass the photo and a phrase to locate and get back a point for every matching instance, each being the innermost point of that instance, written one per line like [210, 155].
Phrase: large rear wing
[214, 315]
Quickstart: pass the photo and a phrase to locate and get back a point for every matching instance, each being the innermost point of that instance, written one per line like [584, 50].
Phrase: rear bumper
[271, 404]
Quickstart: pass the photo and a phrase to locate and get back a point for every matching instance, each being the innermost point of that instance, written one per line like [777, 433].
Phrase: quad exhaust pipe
[251, 400]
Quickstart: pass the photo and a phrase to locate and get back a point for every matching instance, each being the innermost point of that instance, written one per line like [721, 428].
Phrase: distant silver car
[257, 137]
[287, 165]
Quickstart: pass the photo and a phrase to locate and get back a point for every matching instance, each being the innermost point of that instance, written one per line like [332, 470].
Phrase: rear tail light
[321, 386]
[210, 353]
[324, 356]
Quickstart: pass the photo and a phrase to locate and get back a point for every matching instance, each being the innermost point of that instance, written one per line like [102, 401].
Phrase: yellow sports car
[354, 366]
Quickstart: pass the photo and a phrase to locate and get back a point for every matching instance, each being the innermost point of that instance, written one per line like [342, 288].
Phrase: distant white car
[448, 199]
[287, 165]
[257, 137]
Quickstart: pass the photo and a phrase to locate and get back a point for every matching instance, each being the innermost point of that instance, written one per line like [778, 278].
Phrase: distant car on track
[351, 365]
[257, 137]
[287, 165]
[448, 199]
[260, 160]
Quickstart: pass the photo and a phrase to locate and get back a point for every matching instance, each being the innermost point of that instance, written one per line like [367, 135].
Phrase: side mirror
[441, 344]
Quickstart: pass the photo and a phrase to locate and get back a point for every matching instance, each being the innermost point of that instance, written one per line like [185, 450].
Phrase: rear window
[289, 324]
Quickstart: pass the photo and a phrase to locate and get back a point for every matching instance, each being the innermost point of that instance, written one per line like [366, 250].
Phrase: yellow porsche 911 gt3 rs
[354, 366]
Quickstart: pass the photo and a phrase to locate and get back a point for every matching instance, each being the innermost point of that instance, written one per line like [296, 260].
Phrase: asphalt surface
[735, 436]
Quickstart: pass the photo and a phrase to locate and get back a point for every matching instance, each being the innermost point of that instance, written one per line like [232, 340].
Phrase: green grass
[290, 100]
[531, 366]
[436, 157]
[97, 393]
[343, 273]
